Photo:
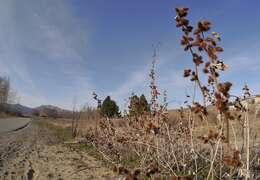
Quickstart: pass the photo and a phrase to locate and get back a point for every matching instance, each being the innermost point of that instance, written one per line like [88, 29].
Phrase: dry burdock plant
[205, 50]
[212, 140]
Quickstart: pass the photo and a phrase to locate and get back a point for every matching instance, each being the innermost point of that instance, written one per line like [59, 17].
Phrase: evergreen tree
[109, 108]
[144, 106]
[134, 105]
[138, 105]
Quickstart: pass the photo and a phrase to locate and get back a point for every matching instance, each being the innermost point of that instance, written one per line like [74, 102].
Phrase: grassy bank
[63, 134]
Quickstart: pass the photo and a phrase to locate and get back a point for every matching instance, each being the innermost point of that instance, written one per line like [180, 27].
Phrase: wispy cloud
[136, 81]
[40, 38]
[243, 62]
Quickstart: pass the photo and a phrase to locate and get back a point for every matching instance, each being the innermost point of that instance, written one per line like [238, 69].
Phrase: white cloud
[136, 79]
[139, 81]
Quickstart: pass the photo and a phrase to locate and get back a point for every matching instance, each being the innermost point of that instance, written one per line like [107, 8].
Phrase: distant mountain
[43, 111]
[20, 109]
[51, 107]
[53, 111]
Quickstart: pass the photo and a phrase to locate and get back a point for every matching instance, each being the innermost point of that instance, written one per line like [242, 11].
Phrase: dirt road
[34, 153]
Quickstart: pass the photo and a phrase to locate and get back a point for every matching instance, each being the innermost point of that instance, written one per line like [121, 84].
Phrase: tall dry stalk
[153, 86]
[204, 49]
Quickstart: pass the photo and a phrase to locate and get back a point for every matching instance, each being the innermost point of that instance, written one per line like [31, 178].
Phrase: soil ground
[36, 153]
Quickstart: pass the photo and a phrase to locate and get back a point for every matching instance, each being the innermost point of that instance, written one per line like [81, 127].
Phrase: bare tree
[4, 89]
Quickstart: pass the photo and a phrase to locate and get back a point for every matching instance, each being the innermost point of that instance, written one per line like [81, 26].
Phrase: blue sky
[55, 50]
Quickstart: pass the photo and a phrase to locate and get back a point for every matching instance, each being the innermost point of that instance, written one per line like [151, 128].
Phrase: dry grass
[127, 144]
